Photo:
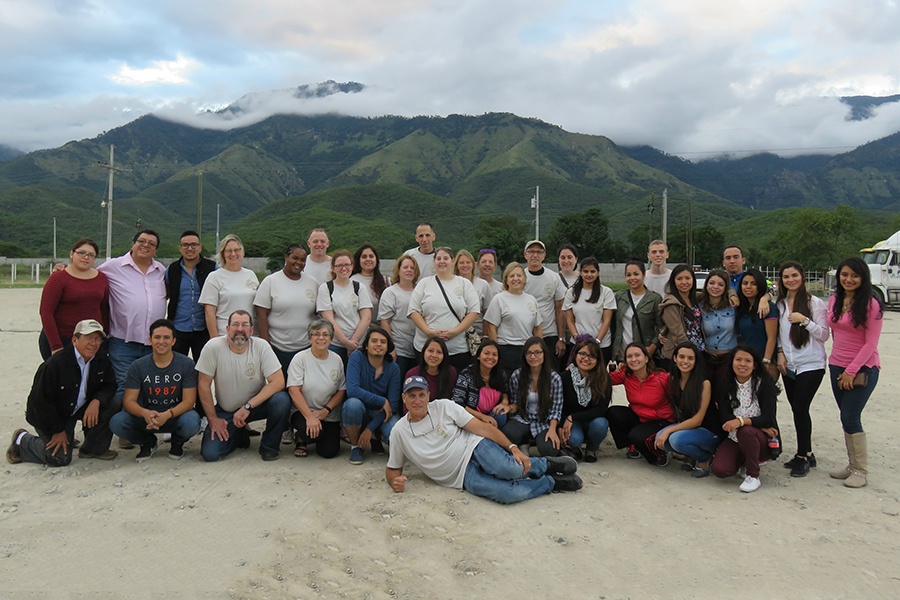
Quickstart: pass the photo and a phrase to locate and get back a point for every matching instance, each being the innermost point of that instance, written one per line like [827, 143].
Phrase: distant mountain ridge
[476, 167]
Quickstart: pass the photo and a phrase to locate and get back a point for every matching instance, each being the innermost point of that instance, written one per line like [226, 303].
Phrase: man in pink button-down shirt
[137, 298]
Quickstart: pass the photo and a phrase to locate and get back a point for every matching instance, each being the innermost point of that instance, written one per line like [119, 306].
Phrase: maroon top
[66, 300]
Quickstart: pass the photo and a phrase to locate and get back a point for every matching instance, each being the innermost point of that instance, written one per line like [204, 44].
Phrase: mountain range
[371, 179]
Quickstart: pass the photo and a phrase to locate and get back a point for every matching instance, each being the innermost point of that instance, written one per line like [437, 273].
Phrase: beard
[239, 339]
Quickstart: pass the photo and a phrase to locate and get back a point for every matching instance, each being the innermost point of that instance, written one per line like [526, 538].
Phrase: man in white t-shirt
[548, 290]
[424, 252]
[658, 276]
[249, 387]
[456, 450]
[318, 263]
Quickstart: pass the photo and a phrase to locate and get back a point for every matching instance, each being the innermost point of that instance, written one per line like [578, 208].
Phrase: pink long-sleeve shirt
[855, 347]
[136, 299]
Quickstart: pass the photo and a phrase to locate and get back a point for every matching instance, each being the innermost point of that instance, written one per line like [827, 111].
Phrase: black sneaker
[176, 451]
[567, 483]
[632, 452]
[800, 468]
[811, 461]
[561, 465]
[376, 446]
[268, 455]
[662, 461]
[146, 452]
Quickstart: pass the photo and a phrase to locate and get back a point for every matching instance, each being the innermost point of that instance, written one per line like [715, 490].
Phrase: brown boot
[859, 461]
[845, 472]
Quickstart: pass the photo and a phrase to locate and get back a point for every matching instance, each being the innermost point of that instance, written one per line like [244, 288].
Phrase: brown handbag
[861, 380]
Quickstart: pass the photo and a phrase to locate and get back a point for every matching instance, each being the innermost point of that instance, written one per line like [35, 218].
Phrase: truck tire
[878, 295]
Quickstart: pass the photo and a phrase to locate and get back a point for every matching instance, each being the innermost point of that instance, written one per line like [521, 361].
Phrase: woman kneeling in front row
[747, 409]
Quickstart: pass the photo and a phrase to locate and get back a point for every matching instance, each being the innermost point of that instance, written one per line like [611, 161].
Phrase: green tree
[818, 238]
[505, 234]
[588, 231]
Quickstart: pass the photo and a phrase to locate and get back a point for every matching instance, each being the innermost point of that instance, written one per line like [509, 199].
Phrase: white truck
[884, 264]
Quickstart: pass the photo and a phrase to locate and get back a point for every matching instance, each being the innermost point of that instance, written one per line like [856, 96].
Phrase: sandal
[590, 456]
[300, 450]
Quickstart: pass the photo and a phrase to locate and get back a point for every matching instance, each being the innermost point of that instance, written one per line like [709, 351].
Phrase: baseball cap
[416, 381]
[89, 326]
[533, 242]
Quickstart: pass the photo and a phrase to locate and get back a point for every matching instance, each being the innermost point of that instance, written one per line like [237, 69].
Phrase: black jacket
[173, 281]
[54, 392]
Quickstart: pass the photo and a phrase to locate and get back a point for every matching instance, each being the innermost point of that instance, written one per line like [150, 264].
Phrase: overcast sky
[692, 77]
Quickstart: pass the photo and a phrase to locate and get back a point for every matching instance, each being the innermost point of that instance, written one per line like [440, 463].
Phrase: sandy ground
[309, 528]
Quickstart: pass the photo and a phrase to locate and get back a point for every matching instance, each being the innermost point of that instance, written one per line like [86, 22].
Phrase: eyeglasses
[145, 242]
[487, 251]
[233, 251]
[84, 254]
[538, 251]
[240, 325]
[413, 432]
[344, 266]
[190, 245]
[534, 353]
[320, 334]
[587, 355]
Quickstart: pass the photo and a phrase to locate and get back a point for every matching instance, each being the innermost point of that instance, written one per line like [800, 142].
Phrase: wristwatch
[248, 406]
[805, 322]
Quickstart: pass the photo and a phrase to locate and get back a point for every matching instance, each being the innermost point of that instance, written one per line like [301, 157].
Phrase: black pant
[627, 429]
[328, 444]
[190, 341]
[800, 392]
[520, 433]
[96, 439]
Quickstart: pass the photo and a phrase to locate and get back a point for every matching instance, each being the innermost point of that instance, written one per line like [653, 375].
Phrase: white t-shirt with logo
[546, 288]
[588, 316]
[318, 379]
[345, 304]
[438, 444]
[237, 377]
[515, 317]
[292, 307]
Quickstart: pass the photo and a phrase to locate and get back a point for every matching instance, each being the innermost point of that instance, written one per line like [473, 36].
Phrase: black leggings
[627, 429]
[800, 392]
[520, 433]
[328, 444]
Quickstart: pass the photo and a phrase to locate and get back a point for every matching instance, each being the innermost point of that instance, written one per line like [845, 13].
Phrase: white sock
[19, 439]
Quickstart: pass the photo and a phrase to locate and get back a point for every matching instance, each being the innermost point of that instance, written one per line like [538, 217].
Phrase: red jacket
[648, 399]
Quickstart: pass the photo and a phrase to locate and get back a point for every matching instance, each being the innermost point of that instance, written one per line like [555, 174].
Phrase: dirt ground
[310, 528]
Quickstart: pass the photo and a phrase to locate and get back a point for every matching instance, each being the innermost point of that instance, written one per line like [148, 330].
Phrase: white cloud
[160, 71]
[693, 77]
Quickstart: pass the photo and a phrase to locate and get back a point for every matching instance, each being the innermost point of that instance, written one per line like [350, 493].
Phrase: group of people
[455, 371]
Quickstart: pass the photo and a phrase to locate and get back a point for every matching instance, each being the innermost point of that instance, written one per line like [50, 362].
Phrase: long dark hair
[859, 310]
[745, 307]
[443, 377]
[757, 377]
[671, 289]
[598, 377]
[799, 335]
[687, 401]
[497, 378]
[706, 300]
[589, 261]
[545, 399]
[378, 282]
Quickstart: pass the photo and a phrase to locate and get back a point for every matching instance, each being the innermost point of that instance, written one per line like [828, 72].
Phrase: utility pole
[217, 226]
[665, 223]
[108, 203]
[200, 204]
[536, 205]
[54, 240]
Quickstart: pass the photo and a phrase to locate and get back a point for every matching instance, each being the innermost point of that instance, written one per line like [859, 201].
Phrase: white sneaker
[203, 423]
[287, 437]
[751, 484]
[167, 437]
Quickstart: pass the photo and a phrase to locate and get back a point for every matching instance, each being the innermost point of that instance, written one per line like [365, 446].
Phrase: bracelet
[172, 412]
[328, 408]
[741, 419]
[510, 448]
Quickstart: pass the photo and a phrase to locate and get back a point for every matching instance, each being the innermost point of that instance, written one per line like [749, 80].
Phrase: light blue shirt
[85, 367]
[718, 328]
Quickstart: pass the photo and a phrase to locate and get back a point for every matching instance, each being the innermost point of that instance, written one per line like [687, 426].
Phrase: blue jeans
[698, 443]
[354, 413]
[405, 363]
[340, 351]
[494, 474]
[594, 430]
[275, 411]
[852, 402]
[121, 355]
[130, 427]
